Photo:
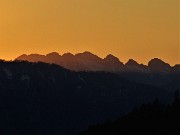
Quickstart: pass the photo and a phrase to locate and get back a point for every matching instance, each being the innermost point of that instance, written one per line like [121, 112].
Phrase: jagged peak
[53, 54]
[132, 62]
[35, 54]
[68, 54]
[86, 53]
[22, 56]
[111, 58]
[157, 61]
[157, 65]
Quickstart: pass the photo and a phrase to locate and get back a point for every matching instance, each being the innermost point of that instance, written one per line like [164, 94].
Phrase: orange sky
[138, 29]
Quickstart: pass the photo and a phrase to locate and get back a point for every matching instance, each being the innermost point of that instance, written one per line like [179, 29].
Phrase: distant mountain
[133, 66]
[46, 99]
[112, 64]
[158, 66]
[157, 72]
[52, 57]
[87, 61]
[80, 62]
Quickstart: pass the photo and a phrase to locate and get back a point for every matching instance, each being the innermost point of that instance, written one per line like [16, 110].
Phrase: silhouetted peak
[32, 57]
[157, 62]
[53, 54]
[111, 58]
[158, 65]
[68, 55]
[38, 56]
[35, 54]
[53, 57]
[132, 63]
[86, 53]
[133, 66]
[88, 56]
[112, 63]
[22, 57]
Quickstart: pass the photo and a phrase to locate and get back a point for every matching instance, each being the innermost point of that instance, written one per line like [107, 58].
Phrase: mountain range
[87, 61]
[157, 72]
[47, 99]
[54, 94]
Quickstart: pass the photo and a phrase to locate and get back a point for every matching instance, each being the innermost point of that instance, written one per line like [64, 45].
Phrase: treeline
[149, 119]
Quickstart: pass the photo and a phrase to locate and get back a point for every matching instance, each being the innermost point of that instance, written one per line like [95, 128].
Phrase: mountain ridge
[88, 61]
[42, 99]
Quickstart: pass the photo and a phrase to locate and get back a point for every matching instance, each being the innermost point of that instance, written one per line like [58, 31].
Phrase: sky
[137, 29]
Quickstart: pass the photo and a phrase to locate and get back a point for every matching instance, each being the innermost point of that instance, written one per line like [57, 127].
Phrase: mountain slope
[149, 119]
[39, 98]
[85, 61]
[157, 73]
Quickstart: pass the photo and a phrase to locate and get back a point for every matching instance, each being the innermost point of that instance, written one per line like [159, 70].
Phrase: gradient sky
[138, 29]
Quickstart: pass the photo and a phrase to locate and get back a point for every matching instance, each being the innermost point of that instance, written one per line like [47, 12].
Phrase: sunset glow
[137, 29]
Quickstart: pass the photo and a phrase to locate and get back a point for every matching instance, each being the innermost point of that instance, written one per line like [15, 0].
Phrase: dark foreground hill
[44, 99]
[149, 119]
